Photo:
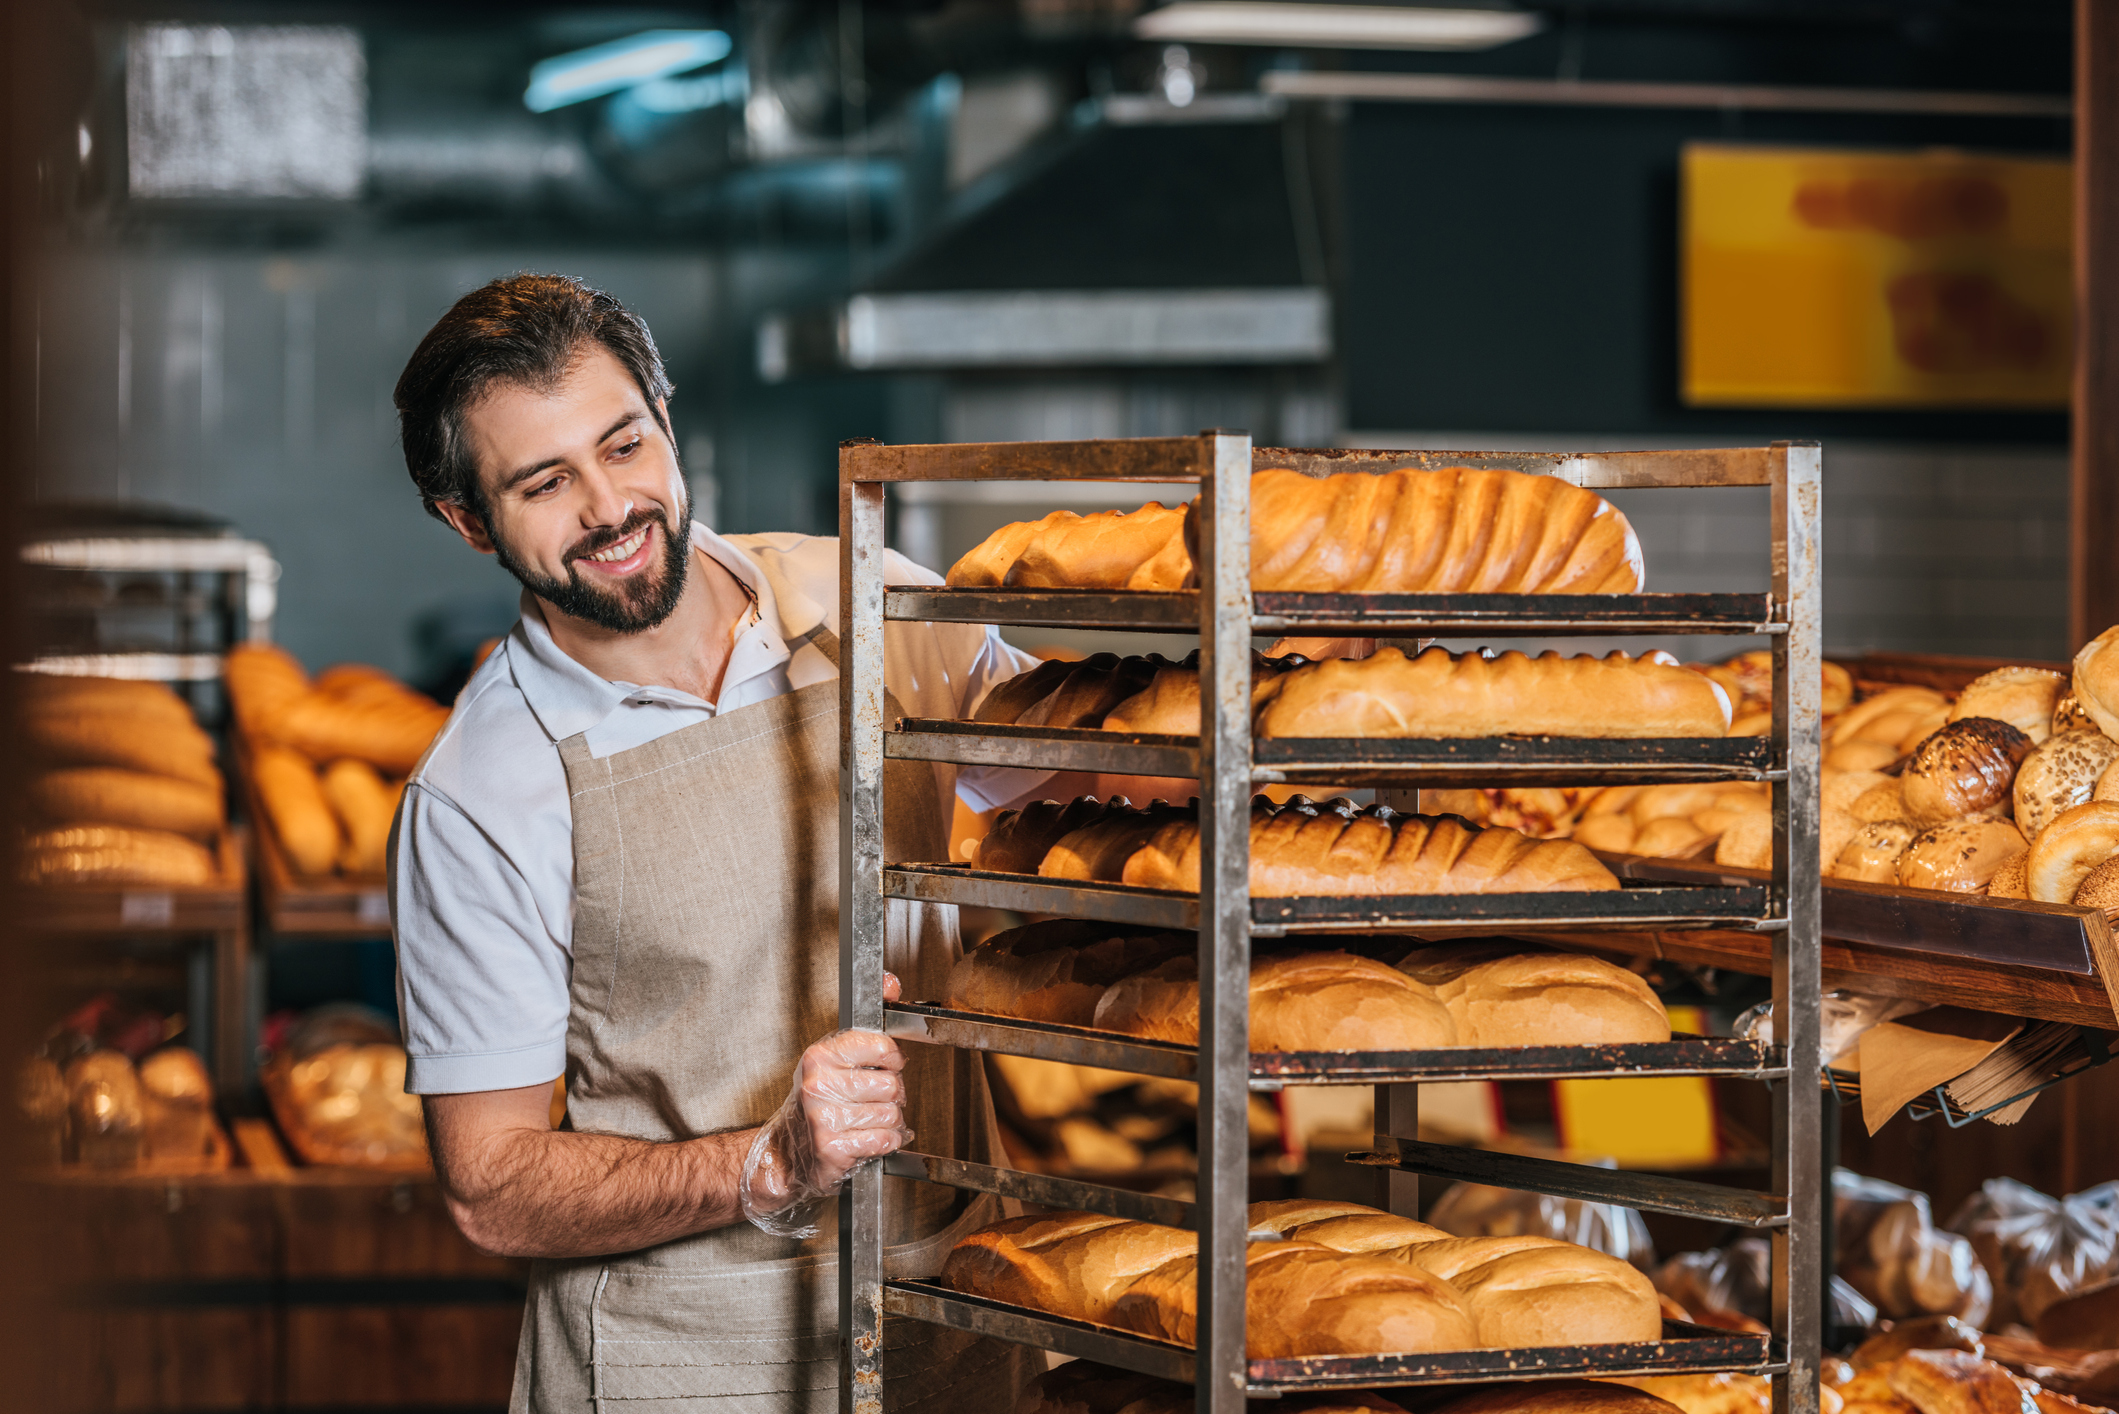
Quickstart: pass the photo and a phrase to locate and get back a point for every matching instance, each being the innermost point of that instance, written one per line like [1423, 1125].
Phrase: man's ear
[467, 523]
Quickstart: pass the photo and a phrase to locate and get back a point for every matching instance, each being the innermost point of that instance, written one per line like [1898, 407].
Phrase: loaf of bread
[1725, 1392]
[1964, 771]
[1311, 1001]
[1303, 1299]
[301, 818]
[1055, 971]
[149, 731]
[2087, 1319]
[1954, 1382]
[365, 804]
[1500, 995]
[1078, 696]
[1020, 839]
[349, 711]
[1070, 1264]
[112, 854]
[54, 695]
[106, 795]
[263, 681]
[1101, 850]
[1559, 1397]
[1533, 1291]
[1440, 694]
[1343, 1227]
[1450, 531]
[2061, 773]
[1298, 850]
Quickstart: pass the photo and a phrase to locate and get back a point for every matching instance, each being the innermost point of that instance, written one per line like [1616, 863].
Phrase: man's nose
[605, 503]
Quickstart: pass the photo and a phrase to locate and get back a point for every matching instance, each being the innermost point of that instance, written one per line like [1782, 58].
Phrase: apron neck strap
[824, 641]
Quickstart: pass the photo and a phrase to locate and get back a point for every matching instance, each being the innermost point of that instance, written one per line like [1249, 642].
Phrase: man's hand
[847, 1105]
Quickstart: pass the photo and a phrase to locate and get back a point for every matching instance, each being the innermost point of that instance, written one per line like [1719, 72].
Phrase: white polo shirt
[482, 856]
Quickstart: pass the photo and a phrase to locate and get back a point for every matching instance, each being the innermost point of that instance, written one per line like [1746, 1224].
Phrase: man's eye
[548, 486]
[626, 449]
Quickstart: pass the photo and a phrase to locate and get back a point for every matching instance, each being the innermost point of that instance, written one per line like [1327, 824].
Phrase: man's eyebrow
[521, 474]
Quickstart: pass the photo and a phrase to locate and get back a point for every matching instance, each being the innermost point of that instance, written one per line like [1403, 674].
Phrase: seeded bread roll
[1071, 1264]
[106, 795]
[2060, 775]
[1321, 1001]
[112, 854]
[2012, 880]
[1963, 772]
[1303, 1299]
[2099, 889]
[1531, 1291]
[1299, 850]
[1440, 694]
[2068, 715]
[1872, 855]
[1559, 1397]
[2022, 697]
[1500, 995]
[1055, 971]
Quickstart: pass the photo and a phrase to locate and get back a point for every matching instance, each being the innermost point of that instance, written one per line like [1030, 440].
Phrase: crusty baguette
[1055, 971]
[263, 681]
[1169, 704]
[158, 745]
[389, 732]
[1298, 850]
[1007, 701]
[1500, 995]
[1312, 1001]
[1439, 694]
[1453, 530]
[113, 854]
[365, 804]
[1019, 839]
[1304, 1299]
[1071, 1264]
[107, 795]
[1100, 851]
[49, 693]
[301, 818]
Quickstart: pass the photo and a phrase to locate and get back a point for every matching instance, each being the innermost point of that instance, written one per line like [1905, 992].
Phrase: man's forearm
[552, 1193]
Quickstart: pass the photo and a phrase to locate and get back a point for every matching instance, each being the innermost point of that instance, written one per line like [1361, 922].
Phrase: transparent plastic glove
[847, 1104]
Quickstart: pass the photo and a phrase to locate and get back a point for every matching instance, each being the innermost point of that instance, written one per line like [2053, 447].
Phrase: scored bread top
[1519, 998]
[1073, 1264]
[1315, 1001]
[1343, 1227]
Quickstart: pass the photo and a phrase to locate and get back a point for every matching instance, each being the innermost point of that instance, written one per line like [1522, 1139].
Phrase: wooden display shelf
[293, 905]
[2048, 961]
[144, 910]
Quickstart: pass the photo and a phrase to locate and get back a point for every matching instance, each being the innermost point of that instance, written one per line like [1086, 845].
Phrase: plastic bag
[1475, 1210]
[1738, 1276]
[1891, 1252]
[2038, 1248]
[1842, 1018]
[844, 1086]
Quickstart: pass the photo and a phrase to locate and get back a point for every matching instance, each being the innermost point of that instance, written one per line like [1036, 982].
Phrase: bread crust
[2059, 775]
[1964, 771]
[1097, 551]
[1329, 1001]
[1071, 1264]
[2077, 841]
[1960, 857]
[1540, 998]
[2022, 697]
[113, 854]
[108, 795]
[1055, 971]
[1536, 1291]
[1019, 839]
[2096, 680]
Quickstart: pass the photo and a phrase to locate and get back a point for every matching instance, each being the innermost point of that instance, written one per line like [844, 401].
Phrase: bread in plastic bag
[1890, 1251]
[1738, 1277]
[2038, 1248]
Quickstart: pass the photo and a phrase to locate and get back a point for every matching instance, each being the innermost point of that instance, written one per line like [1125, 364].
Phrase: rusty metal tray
[1083, 1045]
[1635, 905]
[1438, 615]
[1351, 761]
[1684, 1349]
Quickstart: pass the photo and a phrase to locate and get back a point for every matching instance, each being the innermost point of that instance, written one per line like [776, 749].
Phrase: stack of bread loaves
[1436, 694]
[1450, 531]
[328, 758]
[1298, 849]
[124, 789]
[1322, 1278]
[1483, 994]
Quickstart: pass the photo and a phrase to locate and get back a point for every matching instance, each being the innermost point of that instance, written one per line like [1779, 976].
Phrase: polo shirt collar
[568, 699]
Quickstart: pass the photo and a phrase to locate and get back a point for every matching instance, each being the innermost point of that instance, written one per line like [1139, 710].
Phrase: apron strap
[824, 641]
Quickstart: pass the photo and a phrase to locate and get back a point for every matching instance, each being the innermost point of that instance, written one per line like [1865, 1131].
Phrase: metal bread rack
[1781, 908]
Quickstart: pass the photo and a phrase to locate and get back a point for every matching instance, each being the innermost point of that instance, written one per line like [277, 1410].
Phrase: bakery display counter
[1684, 1349]
[293, 906]
[1354, 761]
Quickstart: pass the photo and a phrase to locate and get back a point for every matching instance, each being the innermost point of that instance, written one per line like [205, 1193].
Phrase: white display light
[622, 63]
[1322, 26]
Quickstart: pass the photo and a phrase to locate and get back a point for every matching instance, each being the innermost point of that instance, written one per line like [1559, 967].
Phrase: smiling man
[619, 863]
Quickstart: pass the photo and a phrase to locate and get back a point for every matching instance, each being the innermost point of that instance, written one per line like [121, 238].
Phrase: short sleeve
[482, 982]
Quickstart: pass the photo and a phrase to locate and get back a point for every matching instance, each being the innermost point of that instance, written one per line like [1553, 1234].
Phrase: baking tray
[1270, 1070]
[1351, 761]
[1434, 615]
[1684, 1349]
[1634, 905]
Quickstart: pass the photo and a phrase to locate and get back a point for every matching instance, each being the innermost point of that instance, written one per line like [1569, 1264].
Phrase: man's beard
[631, 606]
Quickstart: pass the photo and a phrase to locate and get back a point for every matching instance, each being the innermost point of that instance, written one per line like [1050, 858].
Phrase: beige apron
[705, 958]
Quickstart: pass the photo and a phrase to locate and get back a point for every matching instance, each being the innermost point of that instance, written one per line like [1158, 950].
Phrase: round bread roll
[1964, 772]
[1539, 998]
[1872, 856]
[1559, 1397]
[2059, 775]
[1313, 1001]
[1749, 843]
[1531, 1291]
[2010, 880]
[1613, 833]
[1852, 723]
[1071, 1264]
[2068, 715]
[1960, 857]
[1343, 1227]
[1303, 1299]
[2100, 889]
[2096, 681]
[1861, 755]
[2022, 697]
[2067, 850]
[1673, 801]
[1880, 803]
[2107, 787]
[1055, 971]
[1841, 789]
[1672, 837]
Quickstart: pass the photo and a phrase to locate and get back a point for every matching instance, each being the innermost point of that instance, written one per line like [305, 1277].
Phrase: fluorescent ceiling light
[1321, 26]
[607, 68]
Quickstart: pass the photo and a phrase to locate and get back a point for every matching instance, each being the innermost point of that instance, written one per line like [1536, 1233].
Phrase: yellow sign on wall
[1818, 278]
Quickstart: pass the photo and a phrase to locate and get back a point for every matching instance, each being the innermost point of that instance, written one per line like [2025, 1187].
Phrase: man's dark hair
[525, 329]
